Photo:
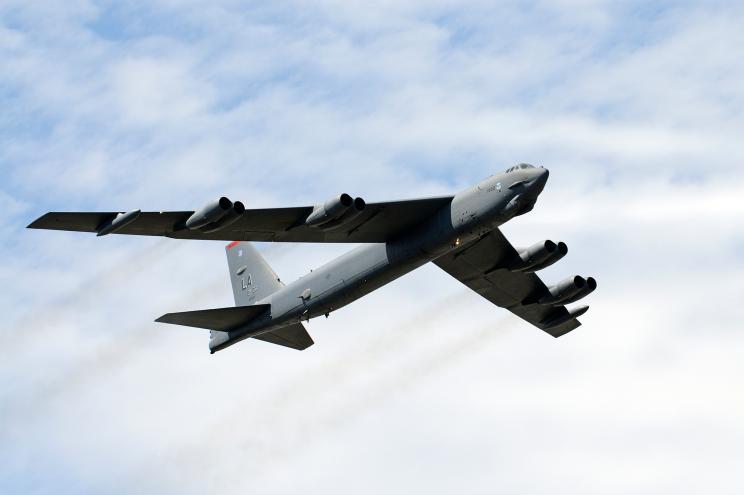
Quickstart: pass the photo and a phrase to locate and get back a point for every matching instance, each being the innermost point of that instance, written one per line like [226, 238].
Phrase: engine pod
[326, 217]
[352, 213]
[329, 211]
[591, 285]
[533, 256]
[117, 223]
[563, 291]
[558, 254]
[209, 213]
[229, 218]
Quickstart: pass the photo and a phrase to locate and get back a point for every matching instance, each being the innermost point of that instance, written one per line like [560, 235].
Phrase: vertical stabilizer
[252, 280]
[251, 276]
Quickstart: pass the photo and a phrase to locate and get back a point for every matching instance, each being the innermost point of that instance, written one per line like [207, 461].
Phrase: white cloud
[152, 91]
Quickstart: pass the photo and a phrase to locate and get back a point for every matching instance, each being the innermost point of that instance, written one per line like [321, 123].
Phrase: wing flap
[220, 319]
[481, 264]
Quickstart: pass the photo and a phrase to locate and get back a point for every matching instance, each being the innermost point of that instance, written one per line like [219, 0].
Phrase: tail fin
[251, 276]
[252, 280]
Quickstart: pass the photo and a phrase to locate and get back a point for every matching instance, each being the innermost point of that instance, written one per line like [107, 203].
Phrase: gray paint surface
[459, 233]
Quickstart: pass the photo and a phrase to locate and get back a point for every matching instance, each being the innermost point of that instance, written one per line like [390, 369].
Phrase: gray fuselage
[471, 214]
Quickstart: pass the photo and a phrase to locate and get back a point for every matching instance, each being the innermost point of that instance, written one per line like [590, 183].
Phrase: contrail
[361, 357]
[117, 352]
[279, 429]
[39, 320]
[279, 414]
[298, 431]
[366, 355]
[417, 371]
[119, 348]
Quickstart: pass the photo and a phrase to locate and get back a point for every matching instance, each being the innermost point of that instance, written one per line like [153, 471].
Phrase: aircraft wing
[379, 222]
[481, 265]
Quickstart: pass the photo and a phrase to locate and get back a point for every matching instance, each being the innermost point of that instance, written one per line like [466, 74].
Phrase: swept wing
[378, 222]
[483, 265]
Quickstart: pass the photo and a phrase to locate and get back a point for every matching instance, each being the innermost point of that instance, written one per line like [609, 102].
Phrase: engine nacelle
[533, 256]
[324, 217]
[591, 285]
[211, 212]
[329, 211]
[117, 223]
[564, 290]
[232, 215]
[349, 215]
[559, 253]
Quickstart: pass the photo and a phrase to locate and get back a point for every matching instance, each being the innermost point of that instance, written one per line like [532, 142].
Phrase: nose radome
[540, 177]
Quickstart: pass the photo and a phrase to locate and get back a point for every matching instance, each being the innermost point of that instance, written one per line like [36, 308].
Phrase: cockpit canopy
[518, 167]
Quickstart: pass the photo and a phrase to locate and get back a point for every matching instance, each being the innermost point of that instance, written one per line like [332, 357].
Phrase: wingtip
[163, 318]
[36, 222]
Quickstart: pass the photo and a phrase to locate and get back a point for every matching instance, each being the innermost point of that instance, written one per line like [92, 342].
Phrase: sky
[637, 110]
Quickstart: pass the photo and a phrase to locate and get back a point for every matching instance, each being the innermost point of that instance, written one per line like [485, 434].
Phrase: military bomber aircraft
[457, 233]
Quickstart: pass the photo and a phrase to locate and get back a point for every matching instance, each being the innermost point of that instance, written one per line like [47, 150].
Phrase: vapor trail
[411, 374]
[97, 365]
[362, 355]
[119, 348]
[301, 431]
[35, 325]
[283, 425]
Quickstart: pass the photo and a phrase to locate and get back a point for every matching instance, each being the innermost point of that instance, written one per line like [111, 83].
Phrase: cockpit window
[521, 166]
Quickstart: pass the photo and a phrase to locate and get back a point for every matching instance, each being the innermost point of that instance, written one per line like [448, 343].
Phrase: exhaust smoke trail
[19, 335]
[301, 432]
[284, 424]
[101, 362]
[118, 349]
[418, 371]
[343, 387]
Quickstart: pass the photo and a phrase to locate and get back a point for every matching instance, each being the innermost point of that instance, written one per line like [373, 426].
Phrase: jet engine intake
[591, 284]
[533, 256]
[120, 221]
[232, 215]
[559, 253]
[563, 291]
[209, 213]
[329, 211]
[330, 216]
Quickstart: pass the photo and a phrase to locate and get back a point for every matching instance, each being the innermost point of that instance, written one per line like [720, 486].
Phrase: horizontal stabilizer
[221, 319]
[294, 336]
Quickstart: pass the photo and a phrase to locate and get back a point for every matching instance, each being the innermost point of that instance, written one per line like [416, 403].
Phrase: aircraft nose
[540, 178]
